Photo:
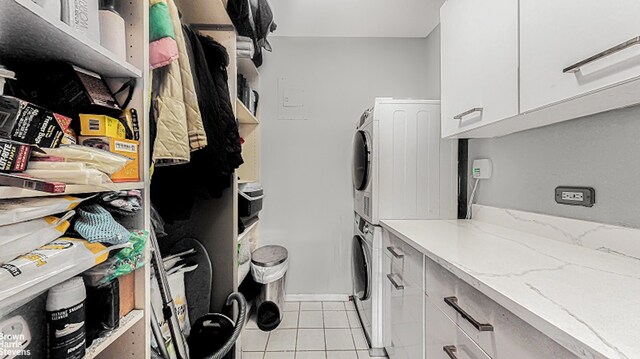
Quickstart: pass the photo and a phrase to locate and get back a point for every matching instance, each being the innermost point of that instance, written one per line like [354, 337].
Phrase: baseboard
[317, 297]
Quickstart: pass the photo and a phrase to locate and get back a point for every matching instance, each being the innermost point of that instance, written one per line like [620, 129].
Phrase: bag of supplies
[20, 238]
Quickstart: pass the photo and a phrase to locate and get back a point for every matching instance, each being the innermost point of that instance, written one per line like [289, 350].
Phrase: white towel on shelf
[244, 54]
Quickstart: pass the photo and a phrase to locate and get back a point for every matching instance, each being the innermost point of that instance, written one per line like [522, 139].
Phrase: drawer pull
[625, 45]
[460, 116]
[396, 253]
[453, 303]
[396, 282]
[451, 351]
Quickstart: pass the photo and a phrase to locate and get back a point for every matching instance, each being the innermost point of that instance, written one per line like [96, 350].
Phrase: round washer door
[361, 267]
[361, 160]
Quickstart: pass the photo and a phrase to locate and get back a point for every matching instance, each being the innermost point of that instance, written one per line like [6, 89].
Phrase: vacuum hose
[242, 307]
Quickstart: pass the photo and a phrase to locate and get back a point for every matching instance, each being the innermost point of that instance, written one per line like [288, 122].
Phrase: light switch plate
[576, 196]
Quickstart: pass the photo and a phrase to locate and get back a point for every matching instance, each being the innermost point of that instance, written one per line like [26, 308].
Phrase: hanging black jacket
[175, 188]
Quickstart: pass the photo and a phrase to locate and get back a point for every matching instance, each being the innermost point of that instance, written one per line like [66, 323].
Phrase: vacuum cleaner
[212, 336]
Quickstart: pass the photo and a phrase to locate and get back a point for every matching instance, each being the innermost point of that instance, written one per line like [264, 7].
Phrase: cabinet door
[558, 34]
[479, 63]
[404, 292]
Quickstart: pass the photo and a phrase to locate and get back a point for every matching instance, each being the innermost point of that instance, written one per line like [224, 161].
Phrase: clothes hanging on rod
[209, 173]
[175, 109]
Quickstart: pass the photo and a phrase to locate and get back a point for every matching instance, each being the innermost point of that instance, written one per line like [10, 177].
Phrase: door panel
[558, 34]
[361, 155]
[479, 63]
[361, 267]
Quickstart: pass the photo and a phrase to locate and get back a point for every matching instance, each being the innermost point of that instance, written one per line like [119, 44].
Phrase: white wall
[600, 151]
[306, 164]
[356, 18]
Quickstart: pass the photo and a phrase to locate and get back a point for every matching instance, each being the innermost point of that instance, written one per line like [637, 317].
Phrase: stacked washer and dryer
[402, 169]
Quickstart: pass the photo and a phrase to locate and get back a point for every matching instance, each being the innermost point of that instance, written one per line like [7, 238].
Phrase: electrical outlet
[482, 169]
[576, 196]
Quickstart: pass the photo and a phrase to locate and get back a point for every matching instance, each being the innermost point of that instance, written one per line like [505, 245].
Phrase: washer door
[361, 160]
[361, 269]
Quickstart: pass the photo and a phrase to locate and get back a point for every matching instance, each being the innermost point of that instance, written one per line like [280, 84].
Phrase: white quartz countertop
[585, 299]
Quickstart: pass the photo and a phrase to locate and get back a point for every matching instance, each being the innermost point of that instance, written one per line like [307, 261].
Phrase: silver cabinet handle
[451, 351]
[396, 282]
[576, 67]
[453, 303]
[460, 116]
[396, 253]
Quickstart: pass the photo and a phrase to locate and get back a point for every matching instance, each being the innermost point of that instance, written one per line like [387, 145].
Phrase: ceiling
[356, 18]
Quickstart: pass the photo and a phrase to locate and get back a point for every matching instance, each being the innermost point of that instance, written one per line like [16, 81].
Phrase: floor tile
[289, 321]
[311, 355]
[252, 324]
[354, 320]
[291, 306]
[339, 339]
[279, 355]
[359, 339]
[350, 306]
[254, 340]
[252, 355]
[333, 306]
[311, 306]
[309, 320]
[335, 319]
[342, 355]
[282, 340]
[310, 339]
[363, 354]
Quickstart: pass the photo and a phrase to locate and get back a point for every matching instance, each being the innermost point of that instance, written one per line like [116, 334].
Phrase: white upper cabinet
[564, 48]
[479, 63]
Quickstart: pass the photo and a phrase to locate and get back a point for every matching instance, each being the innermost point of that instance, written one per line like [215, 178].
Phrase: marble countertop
[585, 299]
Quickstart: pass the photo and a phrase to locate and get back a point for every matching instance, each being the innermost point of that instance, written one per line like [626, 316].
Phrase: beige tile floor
[309, 330]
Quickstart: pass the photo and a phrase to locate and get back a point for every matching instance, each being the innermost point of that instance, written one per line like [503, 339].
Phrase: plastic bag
[104, 161]
[265, 275]
[87, 176]
[47, 266]
[20, 238]
[60, 166]
[122, 263]
[25, 209]
[175, 277]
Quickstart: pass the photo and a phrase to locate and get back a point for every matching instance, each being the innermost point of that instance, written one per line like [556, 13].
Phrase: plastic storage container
[66, 317]
[250, 196]
[269, 265]
[112, 29]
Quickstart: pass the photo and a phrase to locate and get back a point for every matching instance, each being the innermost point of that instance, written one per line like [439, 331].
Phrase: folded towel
[245, 54]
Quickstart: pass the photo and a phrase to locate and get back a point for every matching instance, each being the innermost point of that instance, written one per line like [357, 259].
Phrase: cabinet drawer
[406, 261]
[441, 333]
[507, 337]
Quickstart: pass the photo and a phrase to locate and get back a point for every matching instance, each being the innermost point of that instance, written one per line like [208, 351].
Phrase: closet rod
[213, 27]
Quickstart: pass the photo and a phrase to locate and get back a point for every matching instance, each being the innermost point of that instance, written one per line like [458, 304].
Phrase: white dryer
[402, 168]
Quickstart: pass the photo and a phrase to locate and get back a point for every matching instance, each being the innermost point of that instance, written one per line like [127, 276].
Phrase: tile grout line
[295, 348]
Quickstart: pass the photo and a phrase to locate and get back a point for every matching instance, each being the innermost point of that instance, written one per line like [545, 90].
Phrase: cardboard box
[14, 156]
[127, 293]
[100, 125]
[127, 148]
[28, 123]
